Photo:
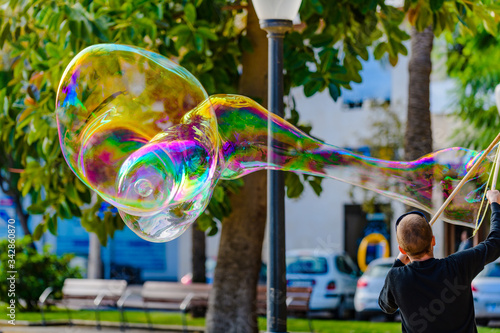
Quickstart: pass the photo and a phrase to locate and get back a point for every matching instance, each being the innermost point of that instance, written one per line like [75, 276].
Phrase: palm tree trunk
[232, 304]
[418, 135]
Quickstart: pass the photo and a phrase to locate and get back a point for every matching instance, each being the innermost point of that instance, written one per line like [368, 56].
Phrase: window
[378, 270]
[491, 270]
[306, 265]
[346, 265]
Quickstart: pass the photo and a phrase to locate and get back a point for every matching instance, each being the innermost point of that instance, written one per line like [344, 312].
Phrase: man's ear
[433, 241]
[401, 250]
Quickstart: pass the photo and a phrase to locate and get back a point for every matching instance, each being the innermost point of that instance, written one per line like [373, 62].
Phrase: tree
[471, 63]
[232, 306]
[429, 19]
[38, 40]
[418, 134]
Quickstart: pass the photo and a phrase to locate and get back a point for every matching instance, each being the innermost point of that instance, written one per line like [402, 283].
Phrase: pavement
[70, 329]
[84, 326]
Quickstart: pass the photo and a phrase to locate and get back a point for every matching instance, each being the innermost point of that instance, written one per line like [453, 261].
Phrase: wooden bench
[85, 293]
[174, 296]
[297, 301]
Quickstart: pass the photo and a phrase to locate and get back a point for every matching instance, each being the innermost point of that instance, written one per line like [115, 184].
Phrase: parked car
[486, 293]
[368, 288]
[210, 264]
[332, 275]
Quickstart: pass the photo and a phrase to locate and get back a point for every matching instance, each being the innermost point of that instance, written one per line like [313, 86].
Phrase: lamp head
[276, 9]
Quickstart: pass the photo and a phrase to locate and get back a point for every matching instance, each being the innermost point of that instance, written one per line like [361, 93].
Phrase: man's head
[414, 235]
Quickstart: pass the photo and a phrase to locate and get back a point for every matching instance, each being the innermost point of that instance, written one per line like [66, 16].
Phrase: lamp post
[276, 19]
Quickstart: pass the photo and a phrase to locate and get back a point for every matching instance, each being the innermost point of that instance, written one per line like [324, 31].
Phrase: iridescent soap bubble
[141, 132]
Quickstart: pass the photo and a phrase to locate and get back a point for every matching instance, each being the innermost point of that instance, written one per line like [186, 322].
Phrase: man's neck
[423, 258]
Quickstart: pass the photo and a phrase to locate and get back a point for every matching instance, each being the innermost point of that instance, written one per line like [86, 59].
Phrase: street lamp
[276, 18]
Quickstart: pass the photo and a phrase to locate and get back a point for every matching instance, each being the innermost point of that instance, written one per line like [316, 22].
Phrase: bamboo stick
[464, 180]
[497, 164]
[495, 172]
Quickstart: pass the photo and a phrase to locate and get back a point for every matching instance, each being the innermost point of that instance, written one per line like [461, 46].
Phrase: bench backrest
[173, 292]
[297, 299]
[91, 288]
[300, 297]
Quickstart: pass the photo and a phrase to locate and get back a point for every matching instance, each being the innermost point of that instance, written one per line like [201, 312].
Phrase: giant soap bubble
[142, 133]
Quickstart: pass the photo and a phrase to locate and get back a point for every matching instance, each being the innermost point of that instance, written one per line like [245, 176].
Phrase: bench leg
[148, 318]
[311, 328]
[43, 315]
[70, 323]
[123, 320]
[97, 319]
[184, 321]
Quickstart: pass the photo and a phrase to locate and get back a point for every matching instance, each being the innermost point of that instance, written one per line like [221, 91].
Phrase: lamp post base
[276, 28]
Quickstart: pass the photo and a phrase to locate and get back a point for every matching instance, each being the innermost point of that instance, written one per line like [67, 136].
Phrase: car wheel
[361, 316]
[390, 317]
[342, 310]
[482, 321]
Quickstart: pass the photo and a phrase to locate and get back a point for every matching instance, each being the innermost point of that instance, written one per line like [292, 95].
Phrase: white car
[331, 274]
[486, 293]
[369, 286]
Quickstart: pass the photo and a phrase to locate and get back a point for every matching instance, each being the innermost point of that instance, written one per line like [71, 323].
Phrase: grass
[170, 318]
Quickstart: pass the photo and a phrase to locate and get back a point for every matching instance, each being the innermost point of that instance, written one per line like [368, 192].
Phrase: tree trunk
[198, 259]
[232, 304]
[23, 217]
[198, 249]
[418, 135]
[94, 269]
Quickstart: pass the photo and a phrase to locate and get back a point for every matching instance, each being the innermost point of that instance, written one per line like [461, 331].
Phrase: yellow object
[370, 239]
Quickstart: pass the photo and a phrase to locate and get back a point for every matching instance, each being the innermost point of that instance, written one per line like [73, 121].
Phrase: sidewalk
[83, 326]
[70, 329]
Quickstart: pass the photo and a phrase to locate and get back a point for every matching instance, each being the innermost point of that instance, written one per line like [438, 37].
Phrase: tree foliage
[38, 270]
[39, 38]
[472, 63]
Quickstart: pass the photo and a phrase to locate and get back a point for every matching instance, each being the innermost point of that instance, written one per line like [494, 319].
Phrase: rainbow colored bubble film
[142, 133]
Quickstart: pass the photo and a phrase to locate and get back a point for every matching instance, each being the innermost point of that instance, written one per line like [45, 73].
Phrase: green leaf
[38, 232]
[204, 222]
[321, 40]
[316, 186]
[219, 194]
[379, 50]
[178, 30]
[318, 7]
[199, 42]
[37, 208]
[207, 33]
[85, 196]
[190, 12]
[71, 192]
[52, 225]
[294, 186]
[312, 87]
[63, 210]
[213, 231]
[436, 5]
[334, 91]
[327, 57]
[5, 34]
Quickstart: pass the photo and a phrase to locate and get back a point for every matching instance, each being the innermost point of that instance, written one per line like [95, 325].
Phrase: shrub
[35, 272]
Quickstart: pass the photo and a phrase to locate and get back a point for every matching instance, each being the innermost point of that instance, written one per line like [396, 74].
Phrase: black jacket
[435, 295]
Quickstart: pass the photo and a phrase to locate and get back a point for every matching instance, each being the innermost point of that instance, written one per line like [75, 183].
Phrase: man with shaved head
[434, 295]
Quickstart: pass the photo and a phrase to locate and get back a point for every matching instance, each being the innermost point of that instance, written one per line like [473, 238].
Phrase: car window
[345, 265]
[306, 265]
[379, 270]
[491, 270]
